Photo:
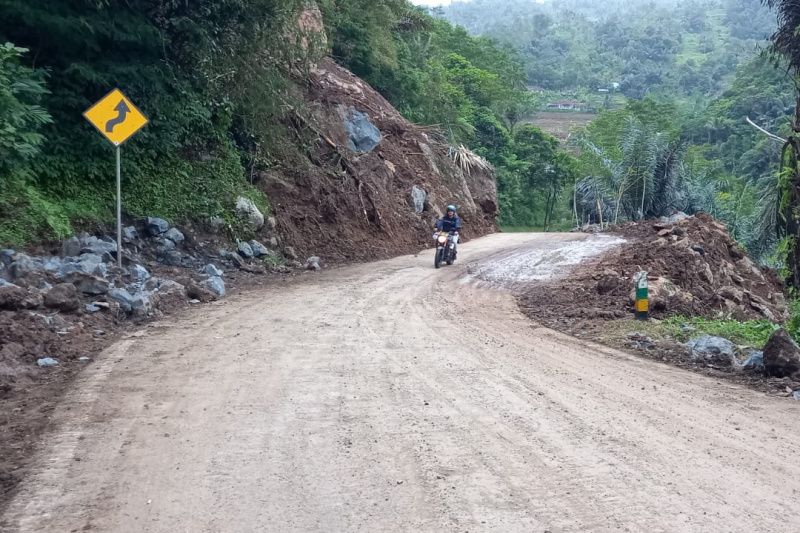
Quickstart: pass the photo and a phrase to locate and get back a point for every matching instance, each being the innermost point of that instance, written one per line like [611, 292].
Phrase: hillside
[243, 104]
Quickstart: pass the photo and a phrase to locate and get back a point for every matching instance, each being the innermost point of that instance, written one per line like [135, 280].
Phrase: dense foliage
[667, 47]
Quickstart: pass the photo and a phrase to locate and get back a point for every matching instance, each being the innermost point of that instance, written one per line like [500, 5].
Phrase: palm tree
[786, 209]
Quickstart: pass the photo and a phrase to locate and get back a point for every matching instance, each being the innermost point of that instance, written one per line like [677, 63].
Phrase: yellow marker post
[117, 119]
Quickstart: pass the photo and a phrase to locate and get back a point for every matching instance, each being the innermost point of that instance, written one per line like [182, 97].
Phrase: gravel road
[396, 397]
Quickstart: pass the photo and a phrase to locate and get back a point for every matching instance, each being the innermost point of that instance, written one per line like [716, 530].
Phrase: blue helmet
[451, 208]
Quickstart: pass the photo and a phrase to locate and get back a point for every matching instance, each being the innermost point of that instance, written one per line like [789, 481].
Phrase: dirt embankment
[694, 268]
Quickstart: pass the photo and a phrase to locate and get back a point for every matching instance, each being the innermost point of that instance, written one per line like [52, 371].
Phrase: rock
[664, 232]
[91, 264]
[678, 231]
[608, 282]
[129, 234]
[201, 293]
[138, 304]
[88, 284]
[363, 135]
[175, 235]
[259, 250]
[157, 226]
[640, 341]
[763, 307]
[212, 271]
[63, 297]
[418, 199]
[12, 296]
[71, 247]
[245, 250]
[290, 253]
[781, 355]
[707, 274]
[33, 300]
[736, 252]
[105, 248]
[165, 245]
[699, 249]
[249, 213]
[755, 361]
[216, 285]
[22, 266]
[92, 308]
[139, 273]
[273, 242]
[313, 263]
[47, 361]
[7, 257]
[173, 258]
[714, 350]
[675, 218]
[272, 223]
[732, 293]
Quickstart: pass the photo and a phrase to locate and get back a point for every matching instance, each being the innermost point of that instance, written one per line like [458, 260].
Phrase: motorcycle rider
[450, 223]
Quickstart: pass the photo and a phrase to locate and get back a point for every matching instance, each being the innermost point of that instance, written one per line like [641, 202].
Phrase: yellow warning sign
[116, 117]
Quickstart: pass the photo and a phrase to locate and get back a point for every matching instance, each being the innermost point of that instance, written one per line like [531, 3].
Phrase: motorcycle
[445, 248]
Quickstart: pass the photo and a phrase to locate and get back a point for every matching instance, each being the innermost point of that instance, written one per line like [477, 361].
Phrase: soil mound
[694, 268]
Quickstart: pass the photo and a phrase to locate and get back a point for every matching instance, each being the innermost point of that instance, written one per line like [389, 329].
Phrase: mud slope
[347, 186]
[329, 405]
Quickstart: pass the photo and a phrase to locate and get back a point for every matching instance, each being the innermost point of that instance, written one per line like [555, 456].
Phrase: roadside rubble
[694, 268]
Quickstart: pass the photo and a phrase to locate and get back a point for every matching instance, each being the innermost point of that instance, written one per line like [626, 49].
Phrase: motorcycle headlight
[442, 239]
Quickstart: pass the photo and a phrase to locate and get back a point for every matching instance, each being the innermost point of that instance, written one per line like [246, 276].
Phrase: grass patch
[751, 332]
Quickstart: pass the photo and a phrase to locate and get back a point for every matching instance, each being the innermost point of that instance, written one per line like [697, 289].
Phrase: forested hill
[688, 47]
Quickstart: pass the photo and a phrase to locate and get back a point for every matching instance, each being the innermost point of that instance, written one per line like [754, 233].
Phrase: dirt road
[394, 397]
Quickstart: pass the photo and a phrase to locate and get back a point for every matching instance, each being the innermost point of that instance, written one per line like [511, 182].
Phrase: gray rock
[22, 266]
[259, 250]
[213, 271]
[129, 234]
[156, 226]
[714, 350]
[47, 361]
[755, 361]
[363, 135]
[138, 304]
[418, 198]
[71, 247]
[104, 248]
[165, 245]
[63, 297]
[796, 395]
[175, 235]
[88, 284]
[216, 285]
[273, 242]
[7, 257]
[173, 258]
[139, 273]
[249, 213]
[272, 222]
[245, 250]
[91, 264]
[92, 308]
[314, 263]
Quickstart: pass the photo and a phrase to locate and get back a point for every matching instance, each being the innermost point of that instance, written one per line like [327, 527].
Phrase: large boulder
[714, 350]
[175, 235]
[781, 355]
[248, 212]
[363, 135]
[216, 285]
[245, 250]
[71, 247]
[101, 247]
[138, 304]
[63, 297]
[259, 250]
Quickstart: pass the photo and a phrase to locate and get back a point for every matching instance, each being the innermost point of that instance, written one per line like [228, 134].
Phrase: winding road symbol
[116, 117]
[122, 109]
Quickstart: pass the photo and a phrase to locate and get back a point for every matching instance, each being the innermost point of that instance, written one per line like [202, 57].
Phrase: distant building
[567, 105]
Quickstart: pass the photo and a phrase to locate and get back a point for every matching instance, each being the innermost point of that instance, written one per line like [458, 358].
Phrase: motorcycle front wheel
[437, 261]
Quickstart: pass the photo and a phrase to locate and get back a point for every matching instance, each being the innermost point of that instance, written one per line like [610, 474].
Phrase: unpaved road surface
[395, 397]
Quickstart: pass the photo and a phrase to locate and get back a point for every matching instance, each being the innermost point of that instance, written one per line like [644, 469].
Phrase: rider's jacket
[449, 224]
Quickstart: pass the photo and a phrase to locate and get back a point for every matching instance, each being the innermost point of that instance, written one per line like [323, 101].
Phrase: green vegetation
[753, 333]
[216, 79]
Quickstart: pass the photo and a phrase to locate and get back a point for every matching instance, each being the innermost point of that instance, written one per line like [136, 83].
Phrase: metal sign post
[117, 119]
[642, 296]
